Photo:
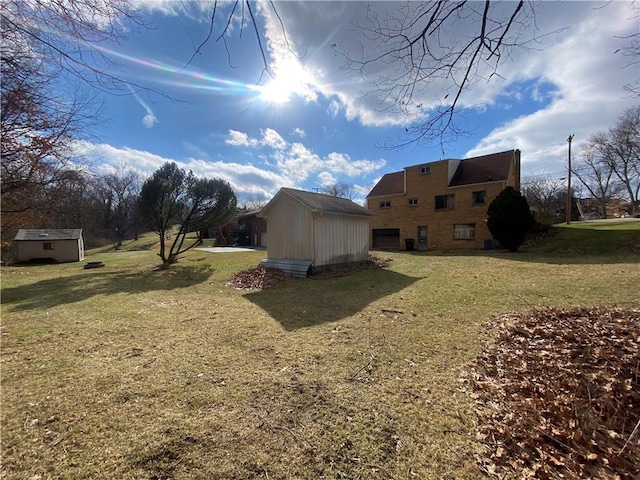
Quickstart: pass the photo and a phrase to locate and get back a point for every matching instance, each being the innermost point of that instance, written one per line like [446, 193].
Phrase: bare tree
[67, 36]
[595, 174]
[542, 193]
[254, 202]
[37, 128]
[340, 189]
[416, 40]
[631, 51]
[619, 149]
[118, 193]
[46, 49]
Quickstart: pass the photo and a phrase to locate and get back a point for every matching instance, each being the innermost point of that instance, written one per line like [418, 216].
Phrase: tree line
[607, 167]
[116, 206]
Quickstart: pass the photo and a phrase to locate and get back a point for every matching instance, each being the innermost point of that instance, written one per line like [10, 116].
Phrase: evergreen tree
[509, 218]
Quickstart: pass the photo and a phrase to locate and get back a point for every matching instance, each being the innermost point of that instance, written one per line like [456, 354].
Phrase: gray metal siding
[290, 229]
[340, 239]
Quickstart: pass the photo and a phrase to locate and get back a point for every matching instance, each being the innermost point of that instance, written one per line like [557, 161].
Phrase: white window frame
[464, 231]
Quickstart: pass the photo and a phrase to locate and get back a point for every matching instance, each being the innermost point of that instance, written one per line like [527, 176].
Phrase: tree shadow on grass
[313, 301]
[76, 288]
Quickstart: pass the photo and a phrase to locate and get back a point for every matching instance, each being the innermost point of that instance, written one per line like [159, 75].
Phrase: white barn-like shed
[316, 231]
[61, 245]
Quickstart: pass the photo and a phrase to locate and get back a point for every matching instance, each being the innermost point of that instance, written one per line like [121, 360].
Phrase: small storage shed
[312, 231]
[61, 245]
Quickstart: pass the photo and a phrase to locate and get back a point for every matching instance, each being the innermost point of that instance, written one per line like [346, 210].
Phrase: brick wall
[423, 188]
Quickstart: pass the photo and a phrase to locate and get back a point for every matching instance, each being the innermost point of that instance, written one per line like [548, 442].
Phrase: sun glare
[276, 91]
[290, 79]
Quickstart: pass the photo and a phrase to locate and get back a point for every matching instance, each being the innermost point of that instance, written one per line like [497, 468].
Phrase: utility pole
[569, 183]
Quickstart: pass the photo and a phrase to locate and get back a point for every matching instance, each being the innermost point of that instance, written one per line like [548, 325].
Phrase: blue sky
[311, 124]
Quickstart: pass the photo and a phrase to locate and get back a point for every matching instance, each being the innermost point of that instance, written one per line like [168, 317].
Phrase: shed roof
[49, 234]
[319, 202]
[487, 168]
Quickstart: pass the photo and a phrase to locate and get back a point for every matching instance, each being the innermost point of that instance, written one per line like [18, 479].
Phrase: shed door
[386, 238]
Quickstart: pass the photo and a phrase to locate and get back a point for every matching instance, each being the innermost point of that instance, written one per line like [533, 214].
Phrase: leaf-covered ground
[261, 278]
[558, 395]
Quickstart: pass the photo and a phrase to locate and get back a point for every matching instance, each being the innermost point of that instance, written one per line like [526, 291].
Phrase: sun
[290, 78]
[277, 91]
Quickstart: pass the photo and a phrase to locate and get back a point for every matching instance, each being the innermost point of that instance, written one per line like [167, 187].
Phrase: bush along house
[440, 205]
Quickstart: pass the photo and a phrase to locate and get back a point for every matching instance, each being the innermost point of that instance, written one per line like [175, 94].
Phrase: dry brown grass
[125, 372]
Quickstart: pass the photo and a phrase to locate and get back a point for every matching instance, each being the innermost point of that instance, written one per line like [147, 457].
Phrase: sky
[313, 121]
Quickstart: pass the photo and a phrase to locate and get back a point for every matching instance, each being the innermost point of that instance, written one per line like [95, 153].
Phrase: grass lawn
[126, 372]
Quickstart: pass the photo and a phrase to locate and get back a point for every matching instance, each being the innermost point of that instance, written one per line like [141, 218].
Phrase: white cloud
[285, 167]
[240, 139]
[272, 139]
[334, 107]
[299, 132]
[326, 179]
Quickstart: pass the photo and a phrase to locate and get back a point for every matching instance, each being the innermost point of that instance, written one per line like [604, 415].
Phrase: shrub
[509, 218]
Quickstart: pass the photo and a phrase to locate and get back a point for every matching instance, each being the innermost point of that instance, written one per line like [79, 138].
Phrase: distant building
[245, 229]
[60, 245]
[440, 205]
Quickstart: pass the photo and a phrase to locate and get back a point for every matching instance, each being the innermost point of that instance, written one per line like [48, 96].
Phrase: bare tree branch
[437, 45]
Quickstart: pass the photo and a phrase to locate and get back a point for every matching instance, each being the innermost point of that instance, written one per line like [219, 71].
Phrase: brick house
[440, 205]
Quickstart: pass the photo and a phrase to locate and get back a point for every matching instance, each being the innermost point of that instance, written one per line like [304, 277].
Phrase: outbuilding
[60, 245]
[311, 231]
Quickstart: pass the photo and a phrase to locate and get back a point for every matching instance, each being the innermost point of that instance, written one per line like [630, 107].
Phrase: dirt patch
[261, 278]
[558, 395]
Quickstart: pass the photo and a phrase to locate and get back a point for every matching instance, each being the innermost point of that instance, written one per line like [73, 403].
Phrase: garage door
[386, 238]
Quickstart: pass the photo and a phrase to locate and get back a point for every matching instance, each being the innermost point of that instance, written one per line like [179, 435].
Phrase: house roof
[389, 184]
[487, 168]
[49, 234]
[319, 202]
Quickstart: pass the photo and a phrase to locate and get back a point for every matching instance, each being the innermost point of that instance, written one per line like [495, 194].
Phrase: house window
[47, 245]
[425, 170]
[445, 202]
[479, 197]
[413, 202]
[464, 231]
[385, 204]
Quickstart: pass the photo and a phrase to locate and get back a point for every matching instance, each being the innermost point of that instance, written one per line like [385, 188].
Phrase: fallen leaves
[258, 278]
[558, 395]
[261, 278]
